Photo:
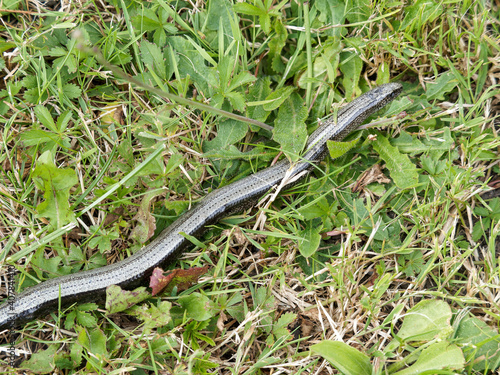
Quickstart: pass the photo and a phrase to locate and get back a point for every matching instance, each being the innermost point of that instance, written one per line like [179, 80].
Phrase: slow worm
[133, 271]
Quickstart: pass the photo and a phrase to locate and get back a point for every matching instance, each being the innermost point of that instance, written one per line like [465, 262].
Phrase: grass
[384, 261]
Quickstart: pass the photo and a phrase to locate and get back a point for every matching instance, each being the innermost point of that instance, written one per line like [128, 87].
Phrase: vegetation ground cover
[384, 261]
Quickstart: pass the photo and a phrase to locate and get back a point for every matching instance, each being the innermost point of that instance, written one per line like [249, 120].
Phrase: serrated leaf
[278, 97]
[403, 172]
[33, 96]
[280, 330]
[63, 120]
[85, 319]
[277, 42]
[441, 145]
[57, 52]
[345, 358]
[56, 184]
[152, 56]
[43, 115]
[72, 63]
[290, 128]
[237, 100]
[71, 90]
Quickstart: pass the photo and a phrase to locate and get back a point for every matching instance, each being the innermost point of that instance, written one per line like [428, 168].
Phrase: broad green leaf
[425, 321]
[71, 91]
[41, 362]
[383, 73]
[190, 63]
[43, 115]
[337, 149]
[432, 165]
[280, 330]
[224, 69]
[152, 56]
[480, 341]
[283, 322]
[351, 66]
[258, 92]
[147, 21]
[343, 357]
[81, 316]
[50, 265]
[63, 120]
[57, 51]
[154, 315]
[35, 136]
[403, 172]
[277, 42]
[358, 10]
[248, 9]
[332, 12]
[241, 79]
[278, 97]
[290, 128]
[118, 299]
[445, 83]
[311, 238]
[56, 184]
[228, 133]
[197, 306]
[441, 145]
[438, 356]
[408, 144]
[98, 342]
[237, 101]
[265, 22]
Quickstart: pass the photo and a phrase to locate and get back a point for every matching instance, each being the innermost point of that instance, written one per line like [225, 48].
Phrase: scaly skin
[134, 271]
